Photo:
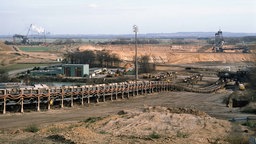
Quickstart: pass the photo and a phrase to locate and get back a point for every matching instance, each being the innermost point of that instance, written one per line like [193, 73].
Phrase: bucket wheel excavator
[24, 38]
[219, 44]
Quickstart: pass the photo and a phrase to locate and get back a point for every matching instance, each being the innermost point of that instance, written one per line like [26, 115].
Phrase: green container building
[75, 70]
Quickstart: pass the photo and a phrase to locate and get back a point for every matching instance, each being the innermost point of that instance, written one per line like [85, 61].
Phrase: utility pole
[135, 30]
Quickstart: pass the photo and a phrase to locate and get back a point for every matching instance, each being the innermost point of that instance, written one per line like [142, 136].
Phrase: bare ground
[143, 119]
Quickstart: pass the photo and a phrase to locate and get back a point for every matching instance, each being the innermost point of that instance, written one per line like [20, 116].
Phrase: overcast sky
[118, 16]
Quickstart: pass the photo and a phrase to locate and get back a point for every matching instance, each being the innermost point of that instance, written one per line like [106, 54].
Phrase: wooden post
[98, 96]
[157, 86]
[21, 109]
[146, 88]
[111, 96]
[82, 100]
[128, 90]
[116, 90]
[97, 100]
[143, 88]
[88, 99]
[72, 101]
[5, 95]
[160, 86]
[104, 90]
[88, 95]
[149, 87]
[38, 100]
[4, 109]
[123, 88]
[137, 89]
[49, 99]
[152, 88]
[62, 97]
[133, 90]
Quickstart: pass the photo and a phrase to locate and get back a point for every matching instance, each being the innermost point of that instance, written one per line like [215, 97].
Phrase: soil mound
[4, 47]
[179, 125]
[149, 125]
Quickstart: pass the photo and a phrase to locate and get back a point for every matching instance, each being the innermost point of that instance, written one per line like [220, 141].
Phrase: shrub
[237, 139]
[60, 139]
[54, 130]
[92, 119]
[32, 128]
[103, 132]
[182, 134]
[154, 135]
[250, 124]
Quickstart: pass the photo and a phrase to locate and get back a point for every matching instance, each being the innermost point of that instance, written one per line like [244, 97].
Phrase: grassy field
[35, 49]
[21, 66]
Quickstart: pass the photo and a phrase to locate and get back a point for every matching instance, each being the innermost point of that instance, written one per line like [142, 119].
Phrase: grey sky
[118, 16]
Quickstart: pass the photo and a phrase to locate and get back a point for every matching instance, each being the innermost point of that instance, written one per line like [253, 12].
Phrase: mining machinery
[239, 76]
[219, 44]
[24, 38]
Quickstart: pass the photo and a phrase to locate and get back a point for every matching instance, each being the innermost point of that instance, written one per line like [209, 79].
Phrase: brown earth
[162, 54]
[172, 55]
[167, 117]
[4, 47]
[12, 55]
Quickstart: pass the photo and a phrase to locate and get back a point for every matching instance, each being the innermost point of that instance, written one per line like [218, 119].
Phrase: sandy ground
[139, 121]
[210, 103]
[160, 54]
[145, 119]
[165, 54]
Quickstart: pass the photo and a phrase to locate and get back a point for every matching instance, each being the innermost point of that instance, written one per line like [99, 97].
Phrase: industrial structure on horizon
[219, 44]
[24, 39]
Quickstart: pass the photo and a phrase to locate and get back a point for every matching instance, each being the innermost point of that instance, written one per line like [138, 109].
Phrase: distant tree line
[130, 41]
[93, 58]
[235, 40]
[67, 41]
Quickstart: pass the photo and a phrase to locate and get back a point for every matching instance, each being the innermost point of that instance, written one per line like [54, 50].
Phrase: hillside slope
[173, 54]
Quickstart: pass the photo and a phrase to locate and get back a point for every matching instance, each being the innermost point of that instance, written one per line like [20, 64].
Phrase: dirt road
[210, 103]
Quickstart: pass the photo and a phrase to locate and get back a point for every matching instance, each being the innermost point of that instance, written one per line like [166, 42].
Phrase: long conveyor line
[87, 93]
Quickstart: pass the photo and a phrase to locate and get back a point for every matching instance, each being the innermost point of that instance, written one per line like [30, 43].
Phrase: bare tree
[4, 76]
[94, 58]
[145, 65]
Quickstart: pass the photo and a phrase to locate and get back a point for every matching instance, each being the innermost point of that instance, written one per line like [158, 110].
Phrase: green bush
[103, 132]
[250, 124]
[32, 128]
[54, 130]
[154, 135]
[92, 119]
[237, 139]
[182, 134]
